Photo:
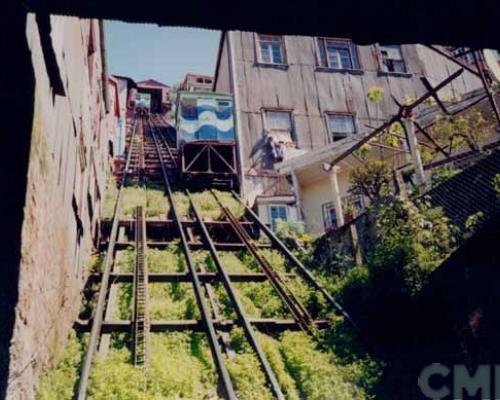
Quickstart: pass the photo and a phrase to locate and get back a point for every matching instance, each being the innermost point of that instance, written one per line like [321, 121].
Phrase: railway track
[152, 158]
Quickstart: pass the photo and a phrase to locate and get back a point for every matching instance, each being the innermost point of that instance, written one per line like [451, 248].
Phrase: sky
[144, 51]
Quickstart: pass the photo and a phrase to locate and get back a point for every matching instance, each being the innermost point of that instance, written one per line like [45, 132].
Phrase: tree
[469, 127]
[372, 179]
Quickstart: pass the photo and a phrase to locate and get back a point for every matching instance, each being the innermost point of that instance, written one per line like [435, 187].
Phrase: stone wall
[66, 182]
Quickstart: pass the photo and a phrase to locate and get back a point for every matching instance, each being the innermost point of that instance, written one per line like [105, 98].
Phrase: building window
[277, 213]
[271, 49]
[279, 124]
[329, 216]
[392, 59]
[340, 126]
[352, 206]
[463, 53]
[337, 54]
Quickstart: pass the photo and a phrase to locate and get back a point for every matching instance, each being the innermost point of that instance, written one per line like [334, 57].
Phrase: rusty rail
[101, 302]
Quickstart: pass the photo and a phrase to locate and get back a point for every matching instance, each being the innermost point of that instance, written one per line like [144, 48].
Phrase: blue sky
[143, 51]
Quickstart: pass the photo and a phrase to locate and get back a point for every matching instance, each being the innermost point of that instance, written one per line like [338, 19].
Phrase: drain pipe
[104, 61]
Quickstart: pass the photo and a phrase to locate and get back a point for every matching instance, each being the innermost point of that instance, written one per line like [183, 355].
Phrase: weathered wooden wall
[311, 92]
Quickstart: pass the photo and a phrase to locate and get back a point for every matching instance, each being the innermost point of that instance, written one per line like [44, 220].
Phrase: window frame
[330, 206]
[258, 50]
[467, 58]
[267, 129]
[382, 65]
[350, 45]
[325, 208]
[272, 222]
[329, 114]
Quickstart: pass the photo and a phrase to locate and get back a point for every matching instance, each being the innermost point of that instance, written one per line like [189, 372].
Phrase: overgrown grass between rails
[180, 367]
[154, 200]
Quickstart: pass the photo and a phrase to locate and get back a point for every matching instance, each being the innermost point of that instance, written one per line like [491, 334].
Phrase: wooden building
[158, 94]
[305, 98]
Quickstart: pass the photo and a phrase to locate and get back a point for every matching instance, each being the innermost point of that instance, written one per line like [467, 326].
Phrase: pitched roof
[152, 82]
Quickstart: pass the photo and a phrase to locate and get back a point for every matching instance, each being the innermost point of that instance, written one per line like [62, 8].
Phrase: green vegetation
[209, 208]
[154, 200]
[180, 367]
[292, 233]
[151, 197]
[57, 384]
[303, 370]
[496, 184]
[473, 222]
[442, 174]
[468, 128]
[376, 94]
[412, 241]
[316, 374]
[181, 364]
[372, 179]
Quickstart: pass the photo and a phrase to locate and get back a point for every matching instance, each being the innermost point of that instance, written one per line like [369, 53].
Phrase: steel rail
[308, 276]
[140, 318]
[299, 312]
[210, 277]
[101, 302]
[205, 314]
[165, 143]
[240, 312]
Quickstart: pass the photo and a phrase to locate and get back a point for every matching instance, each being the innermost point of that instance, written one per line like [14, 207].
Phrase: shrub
[316, 374]
[132, 197]
[469, 127]
[245, 370]
[232, 262]
[473, 222]
[172, 301]
[157, 204]
[442, 174]
[496, 184]
[58, 383]
[180, 367]
[376, 94]
[210, 209]
[271, 349]
[372, 179]
[412, 241]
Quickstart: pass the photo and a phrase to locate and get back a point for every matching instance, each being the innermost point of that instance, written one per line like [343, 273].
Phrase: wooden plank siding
[311, 92]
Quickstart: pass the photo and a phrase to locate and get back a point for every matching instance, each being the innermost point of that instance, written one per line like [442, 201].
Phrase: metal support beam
[487, 86]
[205, 277]
[403, 111]
[263, 324]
